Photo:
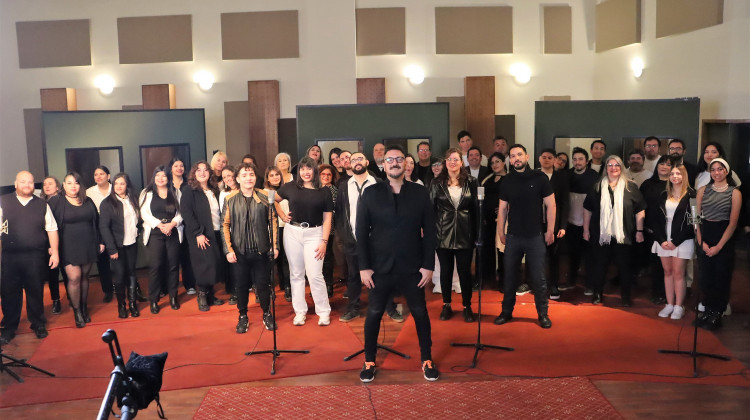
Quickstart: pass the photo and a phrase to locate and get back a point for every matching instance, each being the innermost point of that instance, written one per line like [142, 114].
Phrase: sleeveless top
[717, 206]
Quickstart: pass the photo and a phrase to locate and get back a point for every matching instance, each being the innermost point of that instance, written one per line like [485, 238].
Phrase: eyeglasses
[651, 146]
[453, 160]
[326, 175]
[399, 159]
[613, 165]
[675, 149]
[423, 150]
[355, 160]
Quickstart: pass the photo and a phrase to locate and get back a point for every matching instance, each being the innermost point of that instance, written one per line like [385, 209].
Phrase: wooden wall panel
[236, 130]
[58, 99]
[53, 43]
[480, 109]
[264, 107]
[680, 16]
[456, 119]
[253, 35]
[371, 90]
[474, 30]
[381, 31]
[155, 39]
[558, 30]
[160, 96]
[618, 23]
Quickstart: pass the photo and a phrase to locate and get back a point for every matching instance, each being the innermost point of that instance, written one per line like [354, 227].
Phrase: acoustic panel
[58, 99]
[371, 90]
[505, 125]
[155, 39]
[457, 116]
[480, 109]
[236, 130]
[618, 23]
[160, 96]
[53, 43]
[474, 30]
[254, 35]
[381, 31]
[680, 16]
[558, 30]
[264, 108]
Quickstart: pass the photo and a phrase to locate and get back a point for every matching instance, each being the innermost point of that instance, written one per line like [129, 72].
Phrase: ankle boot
[132, 304]
[80, 322]
[174, 303]
[85, 312]
[56, 307]
[203, 301]
[122, 309]
[138, 295]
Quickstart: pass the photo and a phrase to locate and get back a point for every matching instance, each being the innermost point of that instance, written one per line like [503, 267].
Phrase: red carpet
[585, 340]
[203, 350]
[569, 398]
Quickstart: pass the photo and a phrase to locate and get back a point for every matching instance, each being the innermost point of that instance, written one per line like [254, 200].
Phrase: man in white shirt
[635, 171]
[651, 148]
[475, 168]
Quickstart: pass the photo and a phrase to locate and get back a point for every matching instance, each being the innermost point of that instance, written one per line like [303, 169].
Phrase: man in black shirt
[524, 195]
[677, 151]
[424, 165]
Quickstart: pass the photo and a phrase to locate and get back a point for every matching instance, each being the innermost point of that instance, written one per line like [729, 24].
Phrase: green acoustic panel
[372, 123]
[126, 129]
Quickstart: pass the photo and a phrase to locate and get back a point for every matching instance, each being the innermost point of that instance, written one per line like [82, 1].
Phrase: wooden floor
[632, 399]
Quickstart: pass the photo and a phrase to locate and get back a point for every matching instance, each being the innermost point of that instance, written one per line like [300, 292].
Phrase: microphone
[271, 197]
[480, 193]
[694, 218]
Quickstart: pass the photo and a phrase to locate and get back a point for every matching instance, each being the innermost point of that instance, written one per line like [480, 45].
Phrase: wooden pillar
[158, 96]
[480, 110]
[371, 90]
[58, 99]
[264, 106]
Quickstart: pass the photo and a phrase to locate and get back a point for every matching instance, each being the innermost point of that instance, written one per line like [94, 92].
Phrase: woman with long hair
[162, 234]
[454, 197]
[333, 160]
[273, 181]
[493, 255]
[101, 189]
[308, 225]
[652, 190]
[613, 218]
[315, 153]
[329, 179]
[719, 203]
[118, 222]
[231, 187]
[50, 188]
[218, 162]
[202, 216]
[78, 225]
[283, 162]
[562, 161]
[711, 151]
[409, 165]
[178, 184]
[673, 234]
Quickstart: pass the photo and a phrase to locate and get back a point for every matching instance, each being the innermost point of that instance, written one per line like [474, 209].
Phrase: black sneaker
[232, 300]
[468, 314]
[446, 313]
[269, 322]
[396, 316]
[41, 332]
[368, 372]
[554, 293]
[430, 372]
[349, 316]
[588, 291]
[242, 324]
[566, 286]
[523, 289]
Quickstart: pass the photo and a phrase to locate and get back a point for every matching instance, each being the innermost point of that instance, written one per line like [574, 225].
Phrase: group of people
[386, 224]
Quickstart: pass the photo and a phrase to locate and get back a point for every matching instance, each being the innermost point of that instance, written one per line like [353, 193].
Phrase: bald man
[29, 245]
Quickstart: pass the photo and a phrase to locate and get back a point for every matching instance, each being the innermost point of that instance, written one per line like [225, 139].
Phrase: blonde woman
[283, 162]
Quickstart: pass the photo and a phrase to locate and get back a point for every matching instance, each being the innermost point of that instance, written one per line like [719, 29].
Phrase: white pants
[300, 245]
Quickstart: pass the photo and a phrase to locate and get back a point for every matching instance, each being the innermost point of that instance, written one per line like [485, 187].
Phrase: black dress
[78, 230]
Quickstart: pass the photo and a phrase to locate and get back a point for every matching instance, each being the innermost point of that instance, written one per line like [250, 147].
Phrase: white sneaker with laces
[324, 320]
[299, 319]
[667, 311]
[678, 313]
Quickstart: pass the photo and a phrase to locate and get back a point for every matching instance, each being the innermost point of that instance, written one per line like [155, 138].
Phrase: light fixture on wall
[521, 72]
[204, 79]
[415, 74]
[637, 67]
[105, 84]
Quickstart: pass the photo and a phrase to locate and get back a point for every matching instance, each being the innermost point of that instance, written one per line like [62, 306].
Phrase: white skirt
[684, 251]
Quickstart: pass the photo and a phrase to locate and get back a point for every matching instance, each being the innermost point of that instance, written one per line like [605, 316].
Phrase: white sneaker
[299, 319]
[701, 308]
[668, 309]
[324, 320]
[728, 311]
[678, 313]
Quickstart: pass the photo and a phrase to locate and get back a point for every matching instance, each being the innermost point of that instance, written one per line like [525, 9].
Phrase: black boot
[174, 303]
[132, 304]
[56, 307]
[154, 308]
[288, 294]
[713, 321]
[203, 301]
[138, 295]
[122, 309]
[85, 312]
[80, 322]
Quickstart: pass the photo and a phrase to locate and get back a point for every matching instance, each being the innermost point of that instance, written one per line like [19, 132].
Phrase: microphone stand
[696, 219]
[479, 244]
[275, 351]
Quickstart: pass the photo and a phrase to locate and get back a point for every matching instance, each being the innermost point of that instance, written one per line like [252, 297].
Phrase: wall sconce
[204, 79]
[521, 72]
[415, 74]
[637, 67]
[105, 84]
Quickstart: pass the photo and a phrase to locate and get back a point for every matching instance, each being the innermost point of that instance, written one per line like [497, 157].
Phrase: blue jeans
[534, 248]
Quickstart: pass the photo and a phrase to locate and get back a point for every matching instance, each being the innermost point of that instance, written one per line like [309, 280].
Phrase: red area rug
[569, 398]
[585, 340]
[203, 350]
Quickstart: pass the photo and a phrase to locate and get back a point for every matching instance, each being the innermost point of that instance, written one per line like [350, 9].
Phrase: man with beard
[344, 159]
[376, 166]
[651, 147]
[424, 166]
[29, 245]
[635, 171]
[346, 217]
[677, 151]
[524, 195]
[396, 241]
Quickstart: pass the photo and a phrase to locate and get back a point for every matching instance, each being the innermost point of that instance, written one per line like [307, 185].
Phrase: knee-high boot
[132, 300]
[138, 295]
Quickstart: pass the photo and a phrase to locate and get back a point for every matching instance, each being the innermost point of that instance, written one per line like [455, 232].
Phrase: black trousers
[653, 267]
[53, 280]
[487, 257]
[23, 271]
[552, 260]
[282, 265]
[354, 287]
[385, 286]
[602, 255]
[123, 268]
[252, 269]
[164, 257]
[578, 250]
[463, 261]
[534, 248]
[188, 278]
[105, 274]
[716, 271]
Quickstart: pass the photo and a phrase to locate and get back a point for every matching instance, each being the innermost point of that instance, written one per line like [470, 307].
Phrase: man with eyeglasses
[677, 151]
[424, 166]
[396, 241]
[651, 147]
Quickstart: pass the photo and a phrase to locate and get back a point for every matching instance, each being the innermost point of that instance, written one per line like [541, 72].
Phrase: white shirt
[474, 172]
[650, 165]
[50, 224]
[638, 177]
[482, 163]
[353, 191]
[96, 196]
[130, 221]
[704, 178]
[215, 209]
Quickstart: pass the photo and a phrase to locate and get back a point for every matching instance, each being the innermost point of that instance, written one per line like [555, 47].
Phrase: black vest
[26, 224]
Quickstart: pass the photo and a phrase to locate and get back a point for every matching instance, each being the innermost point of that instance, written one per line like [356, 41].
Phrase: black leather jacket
[456, 225]
[235, 235]
[681, 229]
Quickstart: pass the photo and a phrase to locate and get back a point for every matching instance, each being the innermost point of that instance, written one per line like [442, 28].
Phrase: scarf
[611, 217]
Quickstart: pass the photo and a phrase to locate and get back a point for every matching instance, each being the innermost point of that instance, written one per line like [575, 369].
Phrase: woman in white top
[711, 151]
[282, 162]
[97, 193]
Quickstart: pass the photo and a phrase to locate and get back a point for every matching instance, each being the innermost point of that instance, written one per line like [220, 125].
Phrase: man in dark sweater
[29, 244]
